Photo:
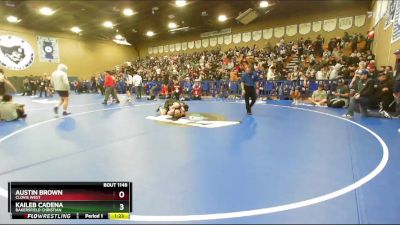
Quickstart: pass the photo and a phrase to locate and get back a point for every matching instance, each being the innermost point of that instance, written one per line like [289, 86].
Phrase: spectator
[295, 95]
[153, 87]
[319, 96]
[396, 90]
[322, 74]
[334, 73]
[364, 89]
[137, 82]
[271, 72]
[165, 92]
[396, 94]
[42, 86]
[109, 85]
[26, 88]
[9, 110]
[176, 89]
[3, 82]
[129, 85]
[341, 95]
[383, 95]
[389, 71]
[213, 65]
[100, 83]
[187, 88]
[196, 91]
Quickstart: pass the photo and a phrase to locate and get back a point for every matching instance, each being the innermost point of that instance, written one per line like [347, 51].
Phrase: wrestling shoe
[385, 114]
[348, 116]
[66, 113]
[380, 107]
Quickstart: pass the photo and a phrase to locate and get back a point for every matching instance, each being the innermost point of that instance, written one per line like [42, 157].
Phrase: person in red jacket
[165, 92]
[196, 91]
[109, 85]
[176, 89]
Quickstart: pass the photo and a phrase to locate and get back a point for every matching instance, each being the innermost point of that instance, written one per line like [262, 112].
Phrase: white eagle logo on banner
[15, 53]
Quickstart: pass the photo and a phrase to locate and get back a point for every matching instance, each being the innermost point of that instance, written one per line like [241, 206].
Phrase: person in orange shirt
[234, 75]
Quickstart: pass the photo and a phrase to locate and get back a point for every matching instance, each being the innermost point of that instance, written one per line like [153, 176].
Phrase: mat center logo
[15, 53]
[204, 120]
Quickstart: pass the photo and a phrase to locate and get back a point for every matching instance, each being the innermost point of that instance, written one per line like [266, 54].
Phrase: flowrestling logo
[15, 53]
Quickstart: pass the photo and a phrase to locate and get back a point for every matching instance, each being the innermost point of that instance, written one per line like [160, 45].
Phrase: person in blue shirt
[248, 83]
[187, 89]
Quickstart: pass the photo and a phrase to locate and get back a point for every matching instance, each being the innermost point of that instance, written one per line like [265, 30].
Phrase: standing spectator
[370, 39]
[137, 82]
[49, 89]
[42, 86]
[93, 86]
[77, 86]
[100, 83]
[25, 85]
[34, 85]
[109, 85]
[271, 72]
[59, 80]
[129, 85]
[3, 82]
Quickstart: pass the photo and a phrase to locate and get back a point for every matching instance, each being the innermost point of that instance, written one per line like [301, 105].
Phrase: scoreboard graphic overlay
[70, 200]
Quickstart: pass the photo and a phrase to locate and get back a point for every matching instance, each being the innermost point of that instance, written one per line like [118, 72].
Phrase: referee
[248, 83]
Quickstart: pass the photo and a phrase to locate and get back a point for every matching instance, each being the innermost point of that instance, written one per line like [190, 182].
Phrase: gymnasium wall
[382, 46]
[302, 17]
[83, 57]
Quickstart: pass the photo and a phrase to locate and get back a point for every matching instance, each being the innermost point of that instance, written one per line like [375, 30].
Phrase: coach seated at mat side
[9, 110]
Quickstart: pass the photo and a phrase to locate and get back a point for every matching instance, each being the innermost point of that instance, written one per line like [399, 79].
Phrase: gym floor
[284, 164]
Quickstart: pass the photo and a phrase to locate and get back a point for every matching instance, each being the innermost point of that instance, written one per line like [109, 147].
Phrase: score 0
[121, 195]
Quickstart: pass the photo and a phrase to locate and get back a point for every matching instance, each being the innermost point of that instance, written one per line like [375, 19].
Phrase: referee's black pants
[250, 93]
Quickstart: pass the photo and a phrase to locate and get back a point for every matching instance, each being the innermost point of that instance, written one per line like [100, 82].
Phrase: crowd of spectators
[305, 63]
[37, 85]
